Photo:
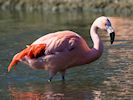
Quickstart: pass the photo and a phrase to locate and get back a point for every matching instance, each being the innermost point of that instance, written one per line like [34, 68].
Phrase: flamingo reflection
[53, 92]
[34, 93]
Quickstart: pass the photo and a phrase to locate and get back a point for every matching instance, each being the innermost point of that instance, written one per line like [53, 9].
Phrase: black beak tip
[112, 37]
[111, 42]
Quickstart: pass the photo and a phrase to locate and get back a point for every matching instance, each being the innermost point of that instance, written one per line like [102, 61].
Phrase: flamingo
[65, 49]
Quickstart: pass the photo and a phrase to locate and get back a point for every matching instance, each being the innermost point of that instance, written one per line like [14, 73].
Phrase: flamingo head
[104, 23]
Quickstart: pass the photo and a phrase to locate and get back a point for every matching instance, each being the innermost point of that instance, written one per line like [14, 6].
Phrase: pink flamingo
[66, 49]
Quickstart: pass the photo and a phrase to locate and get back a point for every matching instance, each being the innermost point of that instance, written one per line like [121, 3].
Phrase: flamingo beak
[112, 37]
[111, 32]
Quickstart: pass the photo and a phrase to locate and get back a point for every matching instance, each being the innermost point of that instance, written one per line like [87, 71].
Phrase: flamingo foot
[50, 79]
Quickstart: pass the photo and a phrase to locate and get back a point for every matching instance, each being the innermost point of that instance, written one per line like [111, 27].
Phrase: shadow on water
[108, 78]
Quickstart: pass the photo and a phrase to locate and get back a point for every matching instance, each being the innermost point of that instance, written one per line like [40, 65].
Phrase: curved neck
[95, 52]
[97, 43]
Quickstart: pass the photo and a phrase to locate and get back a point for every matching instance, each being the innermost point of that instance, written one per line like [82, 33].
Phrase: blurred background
[108, 6]
[108, 78]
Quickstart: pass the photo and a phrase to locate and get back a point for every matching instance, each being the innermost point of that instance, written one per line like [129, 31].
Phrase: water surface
[109, 78]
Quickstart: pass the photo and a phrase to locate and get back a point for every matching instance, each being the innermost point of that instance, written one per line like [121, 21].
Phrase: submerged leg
[63, 75]
[50, 79]
[51, 75]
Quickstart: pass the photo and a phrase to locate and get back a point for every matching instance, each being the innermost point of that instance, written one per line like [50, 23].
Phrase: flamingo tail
[32, 51]
[13, 62]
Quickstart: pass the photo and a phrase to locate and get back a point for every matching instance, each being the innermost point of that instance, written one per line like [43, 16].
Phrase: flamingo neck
[97, 43]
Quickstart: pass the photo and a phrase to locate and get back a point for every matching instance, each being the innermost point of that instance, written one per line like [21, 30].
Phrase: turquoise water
[108, 78]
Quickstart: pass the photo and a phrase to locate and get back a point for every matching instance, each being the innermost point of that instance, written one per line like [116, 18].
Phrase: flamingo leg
[50, 79]
[63, 75]
[51, 75]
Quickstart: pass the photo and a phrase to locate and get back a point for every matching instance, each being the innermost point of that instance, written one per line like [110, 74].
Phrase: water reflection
[56, 91]
[34, 92]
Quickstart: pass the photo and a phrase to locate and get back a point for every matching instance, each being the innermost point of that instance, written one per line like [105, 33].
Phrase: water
[109, 78]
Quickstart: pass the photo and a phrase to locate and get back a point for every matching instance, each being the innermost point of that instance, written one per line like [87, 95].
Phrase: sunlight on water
[109, 78]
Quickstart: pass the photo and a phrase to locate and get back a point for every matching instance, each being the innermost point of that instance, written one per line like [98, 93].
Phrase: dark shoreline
[109, 6]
